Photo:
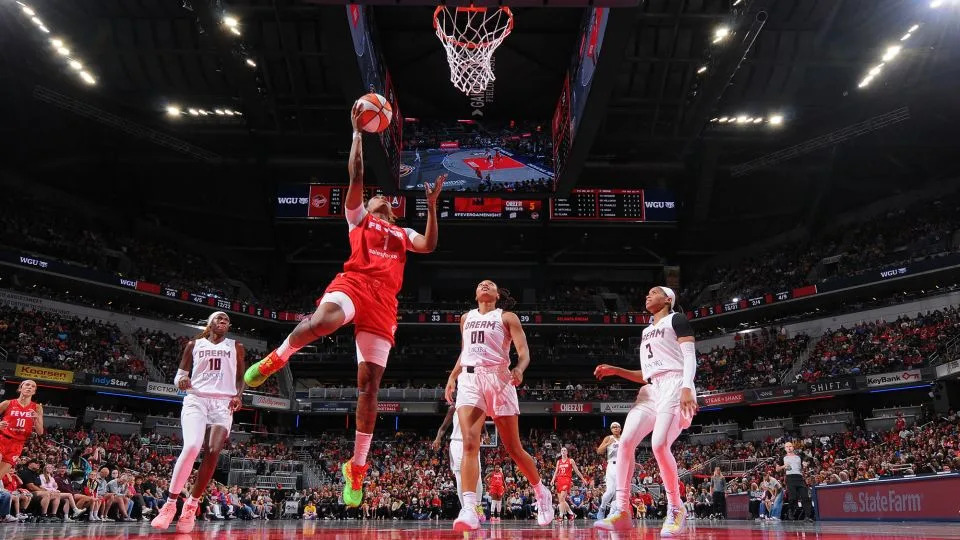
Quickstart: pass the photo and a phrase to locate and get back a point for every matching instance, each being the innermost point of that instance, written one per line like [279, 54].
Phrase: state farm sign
[576, 408]
[908, 499]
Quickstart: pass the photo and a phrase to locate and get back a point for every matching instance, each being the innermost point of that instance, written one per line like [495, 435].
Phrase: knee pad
[372, 348]
[341, 299]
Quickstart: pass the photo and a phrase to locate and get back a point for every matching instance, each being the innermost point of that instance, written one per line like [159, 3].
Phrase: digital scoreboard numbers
[600, 205]
[318, 201]
[483, 208]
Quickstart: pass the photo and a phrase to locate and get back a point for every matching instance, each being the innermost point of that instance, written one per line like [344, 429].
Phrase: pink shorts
[488, 389]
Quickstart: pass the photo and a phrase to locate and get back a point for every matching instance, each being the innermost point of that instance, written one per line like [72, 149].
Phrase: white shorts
[488, 389]
[206, 411]
[456, 457]
[663, 396]
[611, 475]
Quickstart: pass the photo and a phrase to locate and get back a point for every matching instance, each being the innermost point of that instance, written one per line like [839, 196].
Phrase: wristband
[357, 134]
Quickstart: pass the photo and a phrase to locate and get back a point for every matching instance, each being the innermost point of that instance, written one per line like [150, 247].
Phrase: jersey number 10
[214, 364]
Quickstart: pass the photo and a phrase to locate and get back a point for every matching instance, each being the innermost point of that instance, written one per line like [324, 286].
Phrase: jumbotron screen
[319, 201]
[514, 157]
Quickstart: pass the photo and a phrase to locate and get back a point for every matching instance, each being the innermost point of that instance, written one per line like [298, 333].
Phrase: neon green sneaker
[258, 373]
[353, 483]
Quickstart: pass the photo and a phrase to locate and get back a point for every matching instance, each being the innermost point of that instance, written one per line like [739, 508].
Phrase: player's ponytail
[505, 302]
[203, 335]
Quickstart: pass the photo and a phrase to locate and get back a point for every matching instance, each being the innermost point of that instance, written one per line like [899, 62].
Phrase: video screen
[510, 157]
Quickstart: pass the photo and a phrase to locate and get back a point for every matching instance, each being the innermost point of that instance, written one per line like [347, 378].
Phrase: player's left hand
[516, 376]
[434, 192]
[235, 403]
[688, 403]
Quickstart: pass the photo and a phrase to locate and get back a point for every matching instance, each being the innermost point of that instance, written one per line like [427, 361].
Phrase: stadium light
[56, 42]
[703, 69]
[235, 30]
[193, 112]
[936, 3]
[63, 51]
[892, 52]
[218, 112]
[723, 119]
[74, 64]
[913, 28]
[87, 78]
[742, 119]
[59, 45]
[28, 11]
[173, 110]
[251, 63]
[758, 120]
[231, 22]
[776, 119]
[720, 34]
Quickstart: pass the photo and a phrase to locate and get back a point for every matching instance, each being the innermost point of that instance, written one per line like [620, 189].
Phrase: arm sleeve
[681, 326]
[411, 234]
[355, 216]
[689, 351]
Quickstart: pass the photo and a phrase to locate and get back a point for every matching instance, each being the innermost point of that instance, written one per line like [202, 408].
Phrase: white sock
[286, 350]
[172, 500]
[469, 499]
[361, 445]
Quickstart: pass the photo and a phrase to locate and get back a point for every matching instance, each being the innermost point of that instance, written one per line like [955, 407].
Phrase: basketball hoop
[470, 35]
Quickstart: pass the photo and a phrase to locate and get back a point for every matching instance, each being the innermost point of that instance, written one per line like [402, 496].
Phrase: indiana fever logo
[318, 201]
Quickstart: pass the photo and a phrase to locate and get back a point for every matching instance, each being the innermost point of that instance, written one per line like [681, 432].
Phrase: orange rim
[470, 44]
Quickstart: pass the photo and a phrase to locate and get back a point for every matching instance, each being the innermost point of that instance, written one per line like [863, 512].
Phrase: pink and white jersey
[659, 350]
[214, 372]
[486, 340]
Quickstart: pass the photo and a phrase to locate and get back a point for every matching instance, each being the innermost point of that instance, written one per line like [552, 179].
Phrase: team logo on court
[318, 201]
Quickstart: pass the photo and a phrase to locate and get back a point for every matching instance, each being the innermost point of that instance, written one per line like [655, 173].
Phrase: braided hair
[505, 302]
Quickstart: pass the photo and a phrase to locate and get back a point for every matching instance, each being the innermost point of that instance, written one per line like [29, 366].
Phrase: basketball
[376, 113]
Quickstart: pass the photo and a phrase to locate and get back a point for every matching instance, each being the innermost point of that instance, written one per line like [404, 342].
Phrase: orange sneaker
[258, 373]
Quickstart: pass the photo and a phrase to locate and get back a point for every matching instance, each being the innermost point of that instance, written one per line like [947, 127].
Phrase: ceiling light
[173, 110]
[87, 78]
[43, 28]
[776, 119]
[914, 28]
[891, 53]
[714, 119]
[905, 37]
[232, 22]
[64, 51]
[875, 70]
[218, 112]
[235, 30]
[193, 112]
[251, 63]
[723, 118]
[228, 112]
[936, 3]
[702, 69]
[865, 81]
[204, 112]
[741, 119]
[28, 11]
[721, 33]
[56, 42]
[76, 65]
[36, 21]
[758, 119]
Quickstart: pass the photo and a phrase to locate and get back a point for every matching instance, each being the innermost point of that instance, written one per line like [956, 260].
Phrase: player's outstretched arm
[355, 163]
[606, 370]
[427, 242]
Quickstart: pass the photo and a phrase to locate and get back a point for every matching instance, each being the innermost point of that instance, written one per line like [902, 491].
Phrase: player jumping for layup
[211, 371]
[365, 293]
[487, 386]
[21, 417]
[665, 406]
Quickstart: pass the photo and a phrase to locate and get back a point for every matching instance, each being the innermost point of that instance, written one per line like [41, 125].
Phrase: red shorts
[10, 449]
[496, 492]
[376, 311]
[564, 484]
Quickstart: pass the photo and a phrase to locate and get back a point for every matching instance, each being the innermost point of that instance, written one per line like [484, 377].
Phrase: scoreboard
[483, 208]
[316, 201]
[613, 205]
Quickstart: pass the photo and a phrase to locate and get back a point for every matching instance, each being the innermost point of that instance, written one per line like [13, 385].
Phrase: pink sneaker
[188, 517]
[163, 519]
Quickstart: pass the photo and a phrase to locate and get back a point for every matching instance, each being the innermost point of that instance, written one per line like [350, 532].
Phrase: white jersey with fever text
[659, 351]
[214, 372]
[486, 340]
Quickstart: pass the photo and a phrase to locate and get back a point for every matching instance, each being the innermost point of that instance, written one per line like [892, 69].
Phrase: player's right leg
[334, 310]
[509, 430]
[639, 423]
[193, 420]
[471, 419]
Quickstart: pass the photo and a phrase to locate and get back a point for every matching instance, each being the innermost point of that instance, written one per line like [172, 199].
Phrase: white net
[470, 35]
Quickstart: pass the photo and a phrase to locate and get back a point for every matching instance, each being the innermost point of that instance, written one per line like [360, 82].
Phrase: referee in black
[796, 485]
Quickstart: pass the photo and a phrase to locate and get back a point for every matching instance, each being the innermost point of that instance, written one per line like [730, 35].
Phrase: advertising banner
[622, 408]
[944, 370]
[896, 377]
[770, 394]
[729, 398]
[902, 499]
[738, 506]
[388, 407]
[110, 381]
[831, 386]
[576, 408]
[270, 402]
[164, 389]
[44, 374]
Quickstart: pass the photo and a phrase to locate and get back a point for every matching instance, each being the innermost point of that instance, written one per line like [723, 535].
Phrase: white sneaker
[544, 508]
[188, 517]
[10, 519]
[163, 519]
[676, 522]
[467, 520]
[66, 519]
[616, 521]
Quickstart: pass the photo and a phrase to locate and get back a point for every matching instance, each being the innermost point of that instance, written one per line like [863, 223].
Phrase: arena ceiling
[801, 60]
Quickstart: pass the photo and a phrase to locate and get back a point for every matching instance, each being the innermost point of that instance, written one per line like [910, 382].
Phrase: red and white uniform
[496, 485]
[373, 275]
[564, 474]
[19, 421]
[485, 382]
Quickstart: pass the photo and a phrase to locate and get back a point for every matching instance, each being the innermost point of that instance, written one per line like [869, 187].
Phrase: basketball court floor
[414, 530]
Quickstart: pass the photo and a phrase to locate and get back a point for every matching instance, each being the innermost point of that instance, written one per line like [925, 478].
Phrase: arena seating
[749, 365]
[878, 347]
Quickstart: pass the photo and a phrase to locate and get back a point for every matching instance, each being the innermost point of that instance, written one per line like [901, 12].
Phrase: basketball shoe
[467, 520]
[258, 373]
[676, 522]
[163, 519]
[544, 508]
[188, 517]
[617, 521]
[353, 483]
[481, 515]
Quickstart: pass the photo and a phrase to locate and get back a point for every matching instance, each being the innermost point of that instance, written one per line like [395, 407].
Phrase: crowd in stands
[749, 363]
[927, 229]
[879, 346]
[64, 342]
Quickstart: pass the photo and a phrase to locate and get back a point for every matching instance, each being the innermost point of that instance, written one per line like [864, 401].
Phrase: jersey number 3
[649, 351]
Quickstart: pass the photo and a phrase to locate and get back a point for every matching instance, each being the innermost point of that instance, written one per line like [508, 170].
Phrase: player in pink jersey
[21, 417]
[486, 386]
[365, 293]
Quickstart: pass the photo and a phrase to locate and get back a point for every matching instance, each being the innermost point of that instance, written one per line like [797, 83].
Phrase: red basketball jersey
[496, 480]
[19, 420]
[378, 249]
[564, 468]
